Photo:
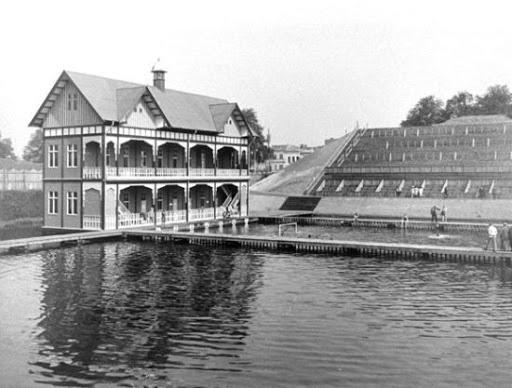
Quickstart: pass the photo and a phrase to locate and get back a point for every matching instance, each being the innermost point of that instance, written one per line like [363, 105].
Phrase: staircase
[300, 203]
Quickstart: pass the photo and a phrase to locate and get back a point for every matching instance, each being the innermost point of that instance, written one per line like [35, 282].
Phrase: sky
[311, 70]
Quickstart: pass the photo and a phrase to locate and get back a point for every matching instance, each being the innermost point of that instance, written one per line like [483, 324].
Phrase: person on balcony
[151, 214]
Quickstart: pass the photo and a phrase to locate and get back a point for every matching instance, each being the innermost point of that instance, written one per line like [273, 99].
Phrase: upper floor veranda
[120, 153]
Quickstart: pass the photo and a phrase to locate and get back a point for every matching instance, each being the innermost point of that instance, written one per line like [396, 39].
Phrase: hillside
[294, 179]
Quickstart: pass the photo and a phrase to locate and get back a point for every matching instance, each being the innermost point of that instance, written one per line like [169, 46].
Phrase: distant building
[119, 154]
[286, 154]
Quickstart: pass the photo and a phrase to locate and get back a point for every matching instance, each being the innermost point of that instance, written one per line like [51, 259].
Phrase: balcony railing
[169, 217]
[167, 171]
[96, 173]
[202, 171]
[92, 172]
[201, 214]
[136, 171]
[127, 220]
[92, 222]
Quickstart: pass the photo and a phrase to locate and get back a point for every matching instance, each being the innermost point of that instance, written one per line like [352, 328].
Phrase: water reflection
[110, 312]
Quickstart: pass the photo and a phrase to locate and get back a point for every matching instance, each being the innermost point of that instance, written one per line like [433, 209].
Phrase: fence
[21, 180]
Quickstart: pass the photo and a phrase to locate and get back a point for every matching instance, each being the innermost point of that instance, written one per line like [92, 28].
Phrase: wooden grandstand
[467, 157]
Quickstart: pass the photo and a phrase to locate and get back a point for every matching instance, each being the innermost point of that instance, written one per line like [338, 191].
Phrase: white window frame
[53, 202]
[53, 156]
[72, 203]
[72, 155]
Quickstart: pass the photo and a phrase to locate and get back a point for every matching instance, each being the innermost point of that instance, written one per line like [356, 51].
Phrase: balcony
[201, 214]
[134, 172]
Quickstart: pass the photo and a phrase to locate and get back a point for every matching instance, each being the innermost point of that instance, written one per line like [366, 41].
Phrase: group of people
[434, 213]
[503, 234]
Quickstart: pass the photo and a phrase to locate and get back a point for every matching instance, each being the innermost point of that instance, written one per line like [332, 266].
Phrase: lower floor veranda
[116, 206]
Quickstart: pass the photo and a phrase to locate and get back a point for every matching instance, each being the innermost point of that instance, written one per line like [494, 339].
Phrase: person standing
[504, 237]
[492, 233]
[510, 237]
[443, 214]
[433, 213]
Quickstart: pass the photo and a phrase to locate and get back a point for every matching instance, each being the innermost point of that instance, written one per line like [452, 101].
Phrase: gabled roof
[186, 110]
[221, 114]
[113, 99]
[126, 99]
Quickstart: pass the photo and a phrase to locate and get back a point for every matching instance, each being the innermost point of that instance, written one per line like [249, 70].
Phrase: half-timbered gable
[70, 108]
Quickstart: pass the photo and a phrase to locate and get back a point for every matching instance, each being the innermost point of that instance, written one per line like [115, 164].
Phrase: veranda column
[214, 200]
[155, 210]
[103, 178]
[187, 201]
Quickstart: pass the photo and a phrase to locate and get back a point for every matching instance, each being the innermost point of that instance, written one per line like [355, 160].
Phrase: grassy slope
[294, 179]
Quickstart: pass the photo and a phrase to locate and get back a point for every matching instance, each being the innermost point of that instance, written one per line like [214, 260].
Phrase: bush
[20, 204]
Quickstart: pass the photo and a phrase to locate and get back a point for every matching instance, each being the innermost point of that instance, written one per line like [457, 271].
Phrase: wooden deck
[375, 223]
[347, 248]
[288, 244]
[54, 241]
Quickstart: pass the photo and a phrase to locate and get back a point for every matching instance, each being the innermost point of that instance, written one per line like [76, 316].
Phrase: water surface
[134, 314]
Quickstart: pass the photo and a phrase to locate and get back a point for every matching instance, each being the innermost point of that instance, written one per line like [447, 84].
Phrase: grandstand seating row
[467, 157]
[429, 188]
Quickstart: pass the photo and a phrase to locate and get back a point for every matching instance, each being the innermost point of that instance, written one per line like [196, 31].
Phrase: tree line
[431, 110]
[33, 151]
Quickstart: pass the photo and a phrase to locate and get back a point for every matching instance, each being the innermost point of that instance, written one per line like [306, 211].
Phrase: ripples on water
[124, 314]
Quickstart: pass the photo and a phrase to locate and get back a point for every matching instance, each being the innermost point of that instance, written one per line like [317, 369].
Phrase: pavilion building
[119, 154]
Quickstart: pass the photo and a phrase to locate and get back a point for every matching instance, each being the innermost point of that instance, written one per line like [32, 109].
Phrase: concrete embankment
[460, 210]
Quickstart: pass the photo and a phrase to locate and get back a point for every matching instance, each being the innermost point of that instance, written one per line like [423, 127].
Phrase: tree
[497, 100]
[33, 151]
[259, 152]
[429, 110]
[6, 150]
[461, 104]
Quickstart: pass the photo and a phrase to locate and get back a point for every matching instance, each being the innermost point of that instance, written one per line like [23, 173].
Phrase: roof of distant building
[113, 99]
[286, 148]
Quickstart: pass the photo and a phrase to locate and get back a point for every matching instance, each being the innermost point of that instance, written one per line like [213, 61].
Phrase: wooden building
[119, 154]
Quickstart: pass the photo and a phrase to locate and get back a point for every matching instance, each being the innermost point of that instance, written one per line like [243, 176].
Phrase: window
[72, 155]
[143, 158]
[69, 101]
[126, 156]
[75, 101]
[126, 200]
[53, 155]
[53, 202]
[159, 201]
[175, 162]
[160, 158]
[72, 202]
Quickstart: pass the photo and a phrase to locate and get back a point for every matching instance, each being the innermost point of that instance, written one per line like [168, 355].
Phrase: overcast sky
[311, 70]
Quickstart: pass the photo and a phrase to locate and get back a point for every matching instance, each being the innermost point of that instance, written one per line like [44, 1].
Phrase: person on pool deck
[510, 237]
[433, 213]
[443, 214]
[504, 237]
[492, 233]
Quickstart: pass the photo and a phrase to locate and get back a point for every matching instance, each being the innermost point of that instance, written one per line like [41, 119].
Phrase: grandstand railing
[415, 169]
